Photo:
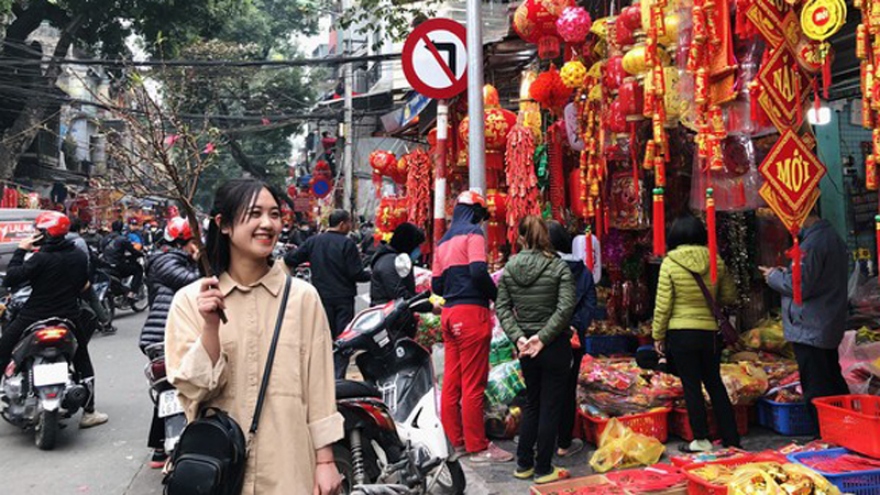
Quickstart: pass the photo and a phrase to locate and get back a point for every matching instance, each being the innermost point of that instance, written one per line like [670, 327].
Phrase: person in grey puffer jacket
[536, 298]
[169, 270]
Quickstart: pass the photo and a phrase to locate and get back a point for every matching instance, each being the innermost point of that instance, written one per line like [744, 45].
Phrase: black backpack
[211, 455]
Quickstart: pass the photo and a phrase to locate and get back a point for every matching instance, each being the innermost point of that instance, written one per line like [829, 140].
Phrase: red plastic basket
[653, 424]
[680, 425]
[699, 486]
[851, 421]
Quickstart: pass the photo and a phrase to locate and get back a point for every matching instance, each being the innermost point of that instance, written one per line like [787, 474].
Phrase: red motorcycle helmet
[52, 224]
[178, 229]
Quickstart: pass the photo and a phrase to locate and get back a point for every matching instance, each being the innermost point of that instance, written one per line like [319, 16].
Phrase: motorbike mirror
[403, 265]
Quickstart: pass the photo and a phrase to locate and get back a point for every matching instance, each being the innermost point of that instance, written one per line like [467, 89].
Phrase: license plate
[168, 404]
[50, 374]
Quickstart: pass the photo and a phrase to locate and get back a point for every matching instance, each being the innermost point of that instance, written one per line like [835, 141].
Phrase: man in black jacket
[336, 270]
[169, 270]
[57, 274]
[120, 252]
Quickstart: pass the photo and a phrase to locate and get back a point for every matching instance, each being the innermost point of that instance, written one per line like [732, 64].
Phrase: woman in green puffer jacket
[536, 298]
[685, 328]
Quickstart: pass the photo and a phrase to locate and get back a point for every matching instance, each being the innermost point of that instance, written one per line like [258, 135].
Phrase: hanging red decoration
[418, 187]
[522, 183]
[659, 223]
[589, 249]
[557, 173]
[497, 123]
[535, 22]
[550, 91]
[713, 235]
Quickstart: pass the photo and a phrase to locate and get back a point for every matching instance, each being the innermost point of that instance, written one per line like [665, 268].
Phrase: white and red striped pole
[440, 172]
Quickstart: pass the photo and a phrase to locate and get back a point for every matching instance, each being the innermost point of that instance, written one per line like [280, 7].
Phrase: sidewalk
[497, 479]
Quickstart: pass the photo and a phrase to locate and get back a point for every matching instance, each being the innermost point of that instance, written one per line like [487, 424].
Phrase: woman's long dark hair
[232, 201]
[686, 230]
[533, 234]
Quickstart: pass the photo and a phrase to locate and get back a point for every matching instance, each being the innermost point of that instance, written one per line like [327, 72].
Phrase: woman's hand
[327, 479]
[534, 346]
[522, 345]
[210, 300]
[660, 347]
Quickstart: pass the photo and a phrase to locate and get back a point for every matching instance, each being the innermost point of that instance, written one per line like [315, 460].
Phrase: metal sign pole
[440, 175]
[476, 137]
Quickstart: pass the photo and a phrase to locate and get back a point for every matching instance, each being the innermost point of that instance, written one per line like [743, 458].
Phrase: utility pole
[476, 137]
[348, 166]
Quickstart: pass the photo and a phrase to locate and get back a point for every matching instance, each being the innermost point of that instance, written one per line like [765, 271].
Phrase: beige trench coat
[299, 414]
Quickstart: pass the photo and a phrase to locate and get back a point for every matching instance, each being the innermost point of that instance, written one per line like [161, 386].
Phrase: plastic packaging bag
[620, 447]
[438, 359]
[500, 348]
[771, 478]
[745, 382]
[505, 382]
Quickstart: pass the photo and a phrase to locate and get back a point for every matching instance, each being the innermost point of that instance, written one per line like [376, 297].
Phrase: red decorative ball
[549, 90]
[382, 162]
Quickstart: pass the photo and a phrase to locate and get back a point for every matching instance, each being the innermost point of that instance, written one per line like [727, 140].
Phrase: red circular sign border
[439, 24]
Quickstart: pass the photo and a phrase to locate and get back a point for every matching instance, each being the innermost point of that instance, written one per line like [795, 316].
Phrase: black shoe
[109, 329]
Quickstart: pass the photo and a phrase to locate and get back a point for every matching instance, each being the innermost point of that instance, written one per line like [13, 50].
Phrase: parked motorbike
[38, 389]
[393, 433]
[164, 396]
[113, 291]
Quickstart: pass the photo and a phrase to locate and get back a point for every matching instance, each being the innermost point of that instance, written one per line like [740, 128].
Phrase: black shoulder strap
[270, 360]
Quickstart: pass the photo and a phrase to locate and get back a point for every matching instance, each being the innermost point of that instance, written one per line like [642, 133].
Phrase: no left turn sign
[435, 58]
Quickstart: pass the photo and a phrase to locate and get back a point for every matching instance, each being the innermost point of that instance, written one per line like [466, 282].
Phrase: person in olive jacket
[536, 298]
[685, 328]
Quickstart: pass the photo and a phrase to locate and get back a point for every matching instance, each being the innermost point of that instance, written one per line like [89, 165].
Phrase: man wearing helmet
[120, 252]
[57, 274]
[461, 277]
[170, 269]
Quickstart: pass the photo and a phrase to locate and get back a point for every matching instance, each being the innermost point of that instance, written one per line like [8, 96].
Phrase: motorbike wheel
[342, 456]
[142, 301]
[46, 431]
[450, 481]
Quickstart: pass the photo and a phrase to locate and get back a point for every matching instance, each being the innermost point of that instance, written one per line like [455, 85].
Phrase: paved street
[109, 459]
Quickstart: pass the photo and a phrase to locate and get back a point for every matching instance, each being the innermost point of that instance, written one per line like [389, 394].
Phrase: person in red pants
[461, 277]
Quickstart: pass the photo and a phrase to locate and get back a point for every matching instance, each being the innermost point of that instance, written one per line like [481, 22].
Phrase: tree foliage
[394, 19]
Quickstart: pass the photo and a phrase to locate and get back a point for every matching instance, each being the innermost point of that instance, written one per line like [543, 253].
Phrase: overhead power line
[304, 62]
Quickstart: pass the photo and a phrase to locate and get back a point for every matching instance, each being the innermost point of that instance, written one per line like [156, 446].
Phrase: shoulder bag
[211, 456]
[728, 333]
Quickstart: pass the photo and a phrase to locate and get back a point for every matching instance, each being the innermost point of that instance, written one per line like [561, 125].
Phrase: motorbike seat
[348, 389]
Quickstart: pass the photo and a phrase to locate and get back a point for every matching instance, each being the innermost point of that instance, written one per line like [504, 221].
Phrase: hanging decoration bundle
[522, 183]
[418, 188]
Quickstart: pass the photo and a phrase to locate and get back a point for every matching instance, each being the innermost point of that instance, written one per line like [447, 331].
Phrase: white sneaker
[91, 419]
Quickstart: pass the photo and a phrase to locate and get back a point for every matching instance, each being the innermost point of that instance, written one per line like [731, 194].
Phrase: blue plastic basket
[609, 345]
[857, 483]
[791, 419]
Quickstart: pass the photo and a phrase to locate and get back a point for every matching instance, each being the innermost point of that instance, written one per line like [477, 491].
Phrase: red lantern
[497, 205]
[497, 124]
[382, 162]
[616, 117]
[624, 35]
[614, 73]
[535, 22]
[631, 17]
[632, 98]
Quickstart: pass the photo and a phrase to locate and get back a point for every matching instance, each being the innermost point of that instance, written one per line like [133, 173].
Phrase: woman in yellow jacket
[685, 328]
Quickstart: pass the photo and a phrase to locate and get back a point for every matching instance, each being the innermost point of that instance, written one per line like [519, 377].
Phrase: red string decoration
[659, 223]
[796, 274]
[713, 235]
[589, 249]
[557, 172]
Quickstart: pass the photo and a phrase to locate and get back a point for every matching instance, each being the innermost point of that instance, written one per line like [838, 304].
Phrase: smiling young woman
[221, 365]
